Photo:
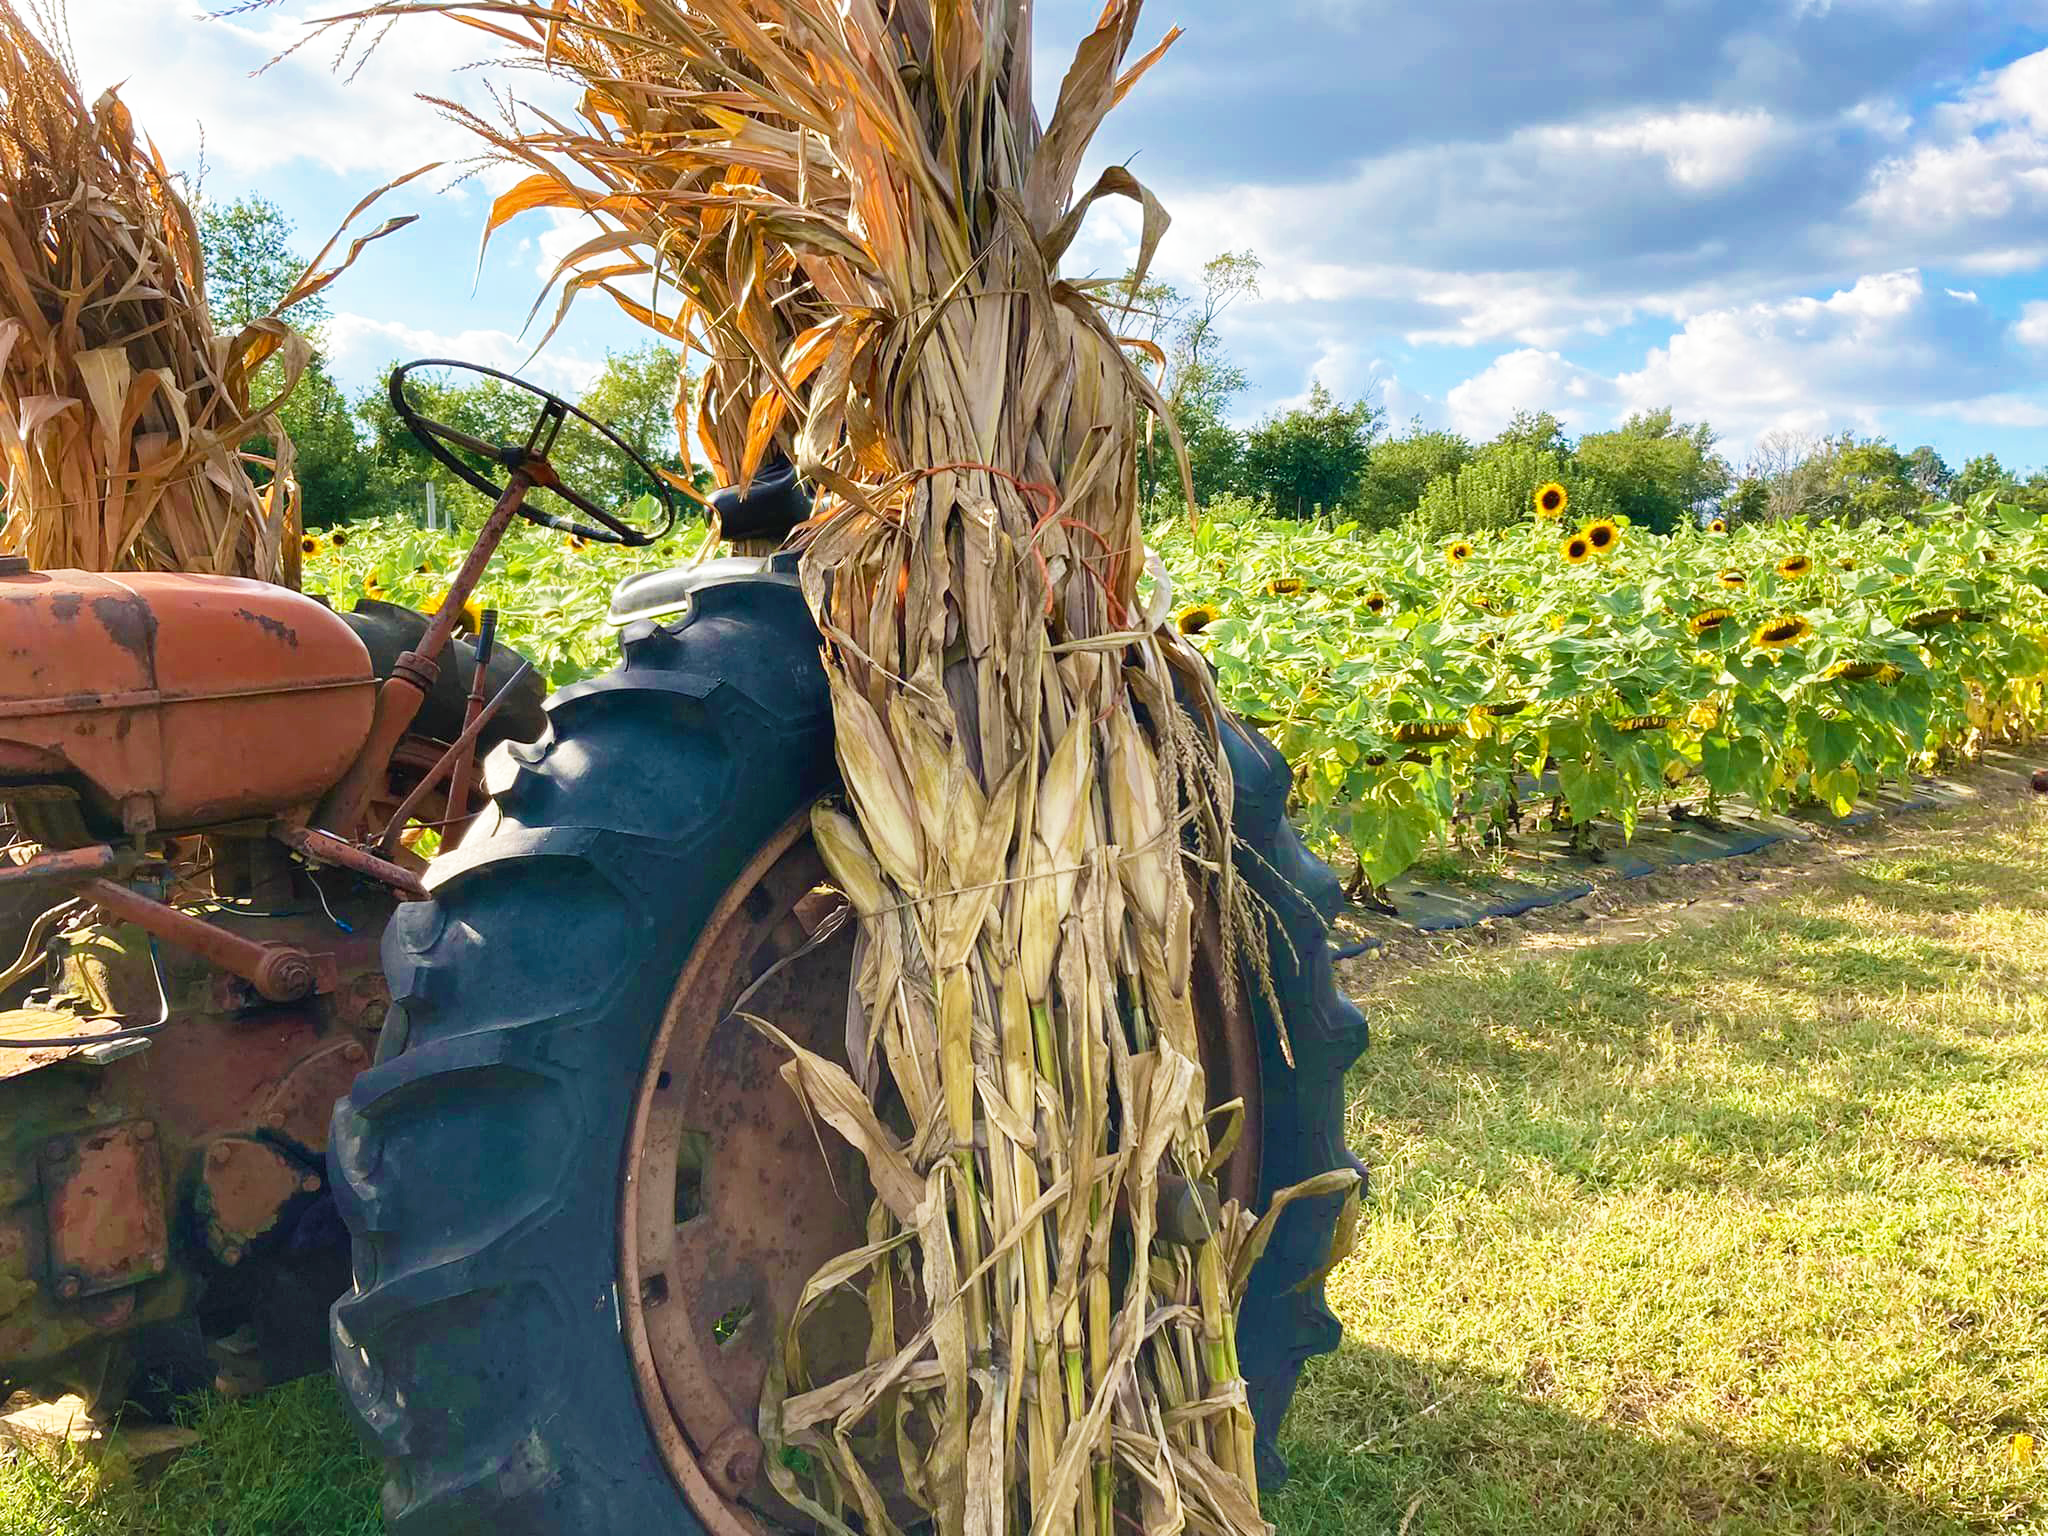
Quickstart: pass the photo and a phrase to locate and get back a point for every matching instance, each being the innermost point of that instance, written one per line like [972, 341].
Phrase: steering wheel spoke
[488, 467]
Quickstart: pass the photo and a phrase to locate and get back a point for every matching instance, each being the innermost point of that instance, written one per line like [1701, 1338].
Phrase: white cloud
[1759, 366]
[1985, 161]
[1534, 380]
[189, 77]
[1995, 411]
[1702, 151]
[1886, 119]
[1805, 364]
[361, 341]
[2032, 329]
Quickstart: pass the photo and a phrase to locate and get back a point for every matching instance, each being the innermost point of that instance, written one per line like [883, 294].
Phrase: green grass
[284, 1464]
[1743, 1229]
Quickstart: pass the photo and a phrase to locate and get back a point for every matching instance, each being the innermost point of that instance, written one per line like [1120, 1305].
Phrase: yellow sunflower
[1709, 619]
[338, 538]
[1775, 634]
[1718, 525]
[309, 545]
[1734, 580]
[1409, 732]
[1285, 586]
[572, 541]
[1794, 566]
[1193, 621]
[1551, 501]
[1644, 723]
[1602, 536]
[1846, 563]
[1889, 674]
[1578, 549]
[1375, 602]
[472, 620]
[1853, 671]
[1703, 716]
[1459, 552]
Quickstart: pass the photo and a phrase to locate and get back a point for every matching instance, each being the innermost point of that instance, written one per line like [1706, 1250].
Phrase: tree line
[1341, 460]
[1323, 458]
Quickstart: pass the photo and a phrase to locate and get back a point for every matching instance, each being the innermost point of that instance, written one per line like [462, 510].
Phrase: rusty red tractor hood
[172, 702]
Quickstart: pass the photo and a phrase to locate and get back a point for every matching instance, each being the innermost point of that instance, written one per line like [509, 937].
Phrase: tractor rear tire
[478, 1163]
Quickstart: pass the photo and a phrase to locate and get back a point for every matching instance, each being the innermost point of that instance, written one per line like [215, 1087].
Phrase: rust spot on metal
[245, 1193]
[63, 607]
[271, 625]
[131, 625]
[103, 1198]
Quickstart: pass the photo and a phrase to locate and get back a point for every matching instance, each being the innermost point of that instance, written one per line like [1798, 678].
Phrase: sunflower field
[1424, 692]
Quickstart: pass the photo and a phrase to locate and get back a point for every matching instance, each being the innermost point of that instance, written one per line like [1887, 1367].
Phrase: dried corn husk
[123, 414]
[850, 208]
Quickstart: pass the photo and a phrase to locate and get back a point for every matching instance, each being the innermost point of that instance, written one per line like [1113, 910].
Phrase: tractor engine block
[163, 1200]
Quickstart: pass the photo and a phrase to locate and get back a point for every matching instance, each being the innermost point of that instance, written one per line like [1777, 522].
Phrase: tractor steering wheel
[475, 460]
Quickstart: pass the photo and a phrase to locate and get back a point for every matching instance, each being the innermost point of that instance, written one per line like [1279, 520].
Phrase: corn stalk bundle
[851, 209]
[123, 414]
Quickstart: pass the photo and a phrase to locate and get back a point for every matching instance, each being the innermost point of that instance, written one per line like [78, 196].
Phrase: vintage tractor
[566, 1200]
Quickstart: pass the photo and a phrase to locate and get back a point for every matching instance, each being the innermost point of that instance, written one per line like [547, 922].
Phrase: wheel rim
[732, 1198]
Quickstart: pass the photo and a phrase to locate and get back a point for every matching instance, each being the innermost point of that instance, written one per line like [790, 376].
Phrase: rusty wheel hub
[733, 1196]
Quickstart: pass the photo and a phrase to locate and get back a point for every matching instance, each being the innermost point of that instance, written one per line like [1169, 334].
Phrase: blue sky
[1780, 215]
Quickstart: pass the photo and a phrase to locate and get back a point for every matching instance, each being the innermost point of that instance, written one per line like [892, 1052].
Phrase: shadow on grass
[1383, 1443]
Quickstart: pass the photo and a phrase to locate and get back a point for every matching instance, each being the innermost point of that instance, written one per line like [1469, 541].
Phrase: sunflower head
[1889, 674]
[472, 620]
[1375, 602]
[1845, 563]
[572, 541]
[1285, 586]
[1718, 525]
[1775, 634]
[1853, 671]
[1459, 551]
[309, 545]
[338, 538]
[1193, 621]
[1602, 536]
[1707, 620]
[1734, 580]
[1578, 549]
[1794, 566]
[1551, 501]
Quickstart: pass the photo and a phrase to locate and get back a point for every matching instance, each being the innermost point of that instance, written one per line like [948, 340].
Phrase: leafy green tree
[1655, 470]
[1497, 489]
[1535, 429]
[635, 395]
[1869, 479]
[250, 264]
[337, 479]
[1749, 502]
[1929, 473]
[1400, 469]
[1310, 459]
[1199, 381]
[1978, 475]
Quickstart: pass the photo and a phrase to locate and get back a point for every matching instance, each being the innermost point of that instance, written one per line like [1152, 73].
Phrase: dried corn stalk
[850, 207]
[123, 415]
